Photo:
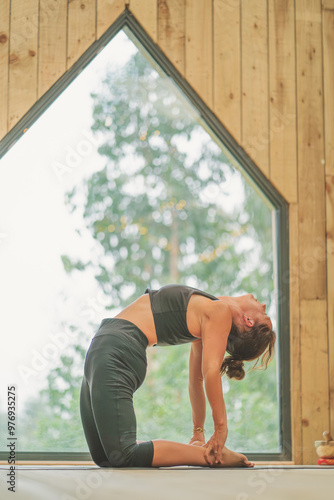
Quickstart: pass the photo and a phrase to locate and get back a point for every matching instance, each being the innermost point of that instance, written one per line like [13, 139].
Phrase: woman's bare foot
[232, 459]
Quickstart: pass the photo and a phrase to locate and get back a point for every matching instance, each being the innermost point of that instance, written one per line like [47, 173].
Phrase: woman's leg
[89, 427]
[115, 367]
[170, 453]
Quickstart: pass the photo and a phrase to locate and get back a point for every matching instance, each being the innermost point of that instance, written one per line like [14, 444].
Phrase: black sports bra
[169, 307]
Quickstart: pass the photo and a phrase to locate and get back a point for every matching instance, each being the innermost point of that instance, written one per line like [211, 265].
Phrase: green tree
[157, 208]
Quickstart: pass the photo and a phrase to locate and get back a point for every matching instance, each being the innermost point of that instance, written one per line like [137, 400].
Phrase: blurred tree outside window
[160, 201]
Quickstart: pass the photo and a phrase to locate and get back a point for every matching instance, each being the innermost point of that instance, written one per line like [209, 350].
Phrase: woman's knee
[117, 458]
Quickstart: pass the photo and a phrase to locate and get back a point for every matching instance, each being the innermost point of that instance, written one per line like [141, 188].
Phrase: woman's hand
[216, 444]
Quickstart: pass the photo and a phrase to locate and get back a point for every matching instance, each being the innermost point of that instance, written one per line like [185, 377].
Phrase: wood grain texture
[314, 371]
[23, 58]
[227, 65]
[107, 12]
[81, 28]
[328, 67]
[52, 43]
[255, 112]
[293, 279]
[199, 64]
[282, 103]
[330, 287]
[171, 22]
[328, 54]
[4, 56]
[311, 170]
[328, 4]
[146, 12]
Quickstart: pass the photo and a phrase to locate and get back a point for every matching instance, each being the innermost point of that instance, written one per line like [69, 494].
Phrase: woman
[115, 367]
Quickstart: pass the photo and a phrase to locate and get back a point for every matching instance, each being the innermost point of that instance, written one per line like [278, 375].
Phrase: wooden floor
[177, 483]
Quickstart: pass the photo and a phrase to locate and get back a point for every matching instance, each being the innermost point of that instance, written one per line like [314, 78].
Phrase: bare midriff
[140, 314]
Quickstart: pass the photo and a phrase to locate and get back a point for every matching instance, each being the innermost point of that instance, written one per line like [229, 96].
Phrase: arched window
[125, 179]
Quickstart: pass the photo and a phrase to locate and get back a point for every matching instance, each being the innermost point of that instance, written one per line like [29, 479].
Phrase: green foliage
[159, 213]
[157, 207]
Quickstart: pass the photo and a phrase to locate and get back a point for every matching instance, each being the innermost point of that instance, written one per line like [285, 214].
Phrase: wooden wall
[266, 68]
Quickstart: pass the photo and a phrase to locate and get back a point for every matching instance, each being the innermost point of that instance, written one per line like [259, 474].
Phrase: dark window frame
[131, 26]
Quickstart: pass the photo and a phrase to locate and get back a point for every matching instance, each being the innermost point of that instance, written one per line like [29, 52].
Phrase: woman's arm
[216, 326]
[196, 391]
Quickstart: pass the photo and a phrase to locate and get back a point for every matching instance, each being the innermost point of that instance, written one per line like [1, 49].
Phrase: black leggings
[115, 367]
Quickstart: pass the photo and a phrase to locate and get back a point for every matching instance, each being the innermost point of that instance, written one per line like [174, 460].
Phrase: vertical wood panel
[171, 21]
[81, 28]
[227, 65]
[293, 280]
[254, 47]
[314, 356]
[199, 48]
[107, 12]
[23, 58]
[282, 104]
[328, 48]
[52, 43]
[330, 287]
[4, 56]
[147, 15]
[311, 177]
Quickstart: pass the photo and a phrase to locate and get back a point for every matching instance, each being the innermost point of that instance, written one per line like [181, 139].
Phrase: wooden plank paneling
[147, 15]
[311, 176]
[107, 12]
[23, 58]
[293, 280]
[314, 369]
[282, 102]
[199, 45]
[254, 48]
[330, 286]
[227, 65]
[171, 22]
[81, 28]
[328, 69]
[4, 56]
[52, 43]
[328, 49]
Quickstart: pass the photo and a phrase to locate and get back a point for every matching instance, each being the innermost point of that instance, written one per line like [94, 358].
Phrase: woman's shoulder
[218, 308]
[205, 314]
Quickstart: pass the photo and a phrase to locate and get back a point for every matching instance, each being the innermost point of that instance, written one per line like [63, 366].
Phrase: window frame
[127, 22]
